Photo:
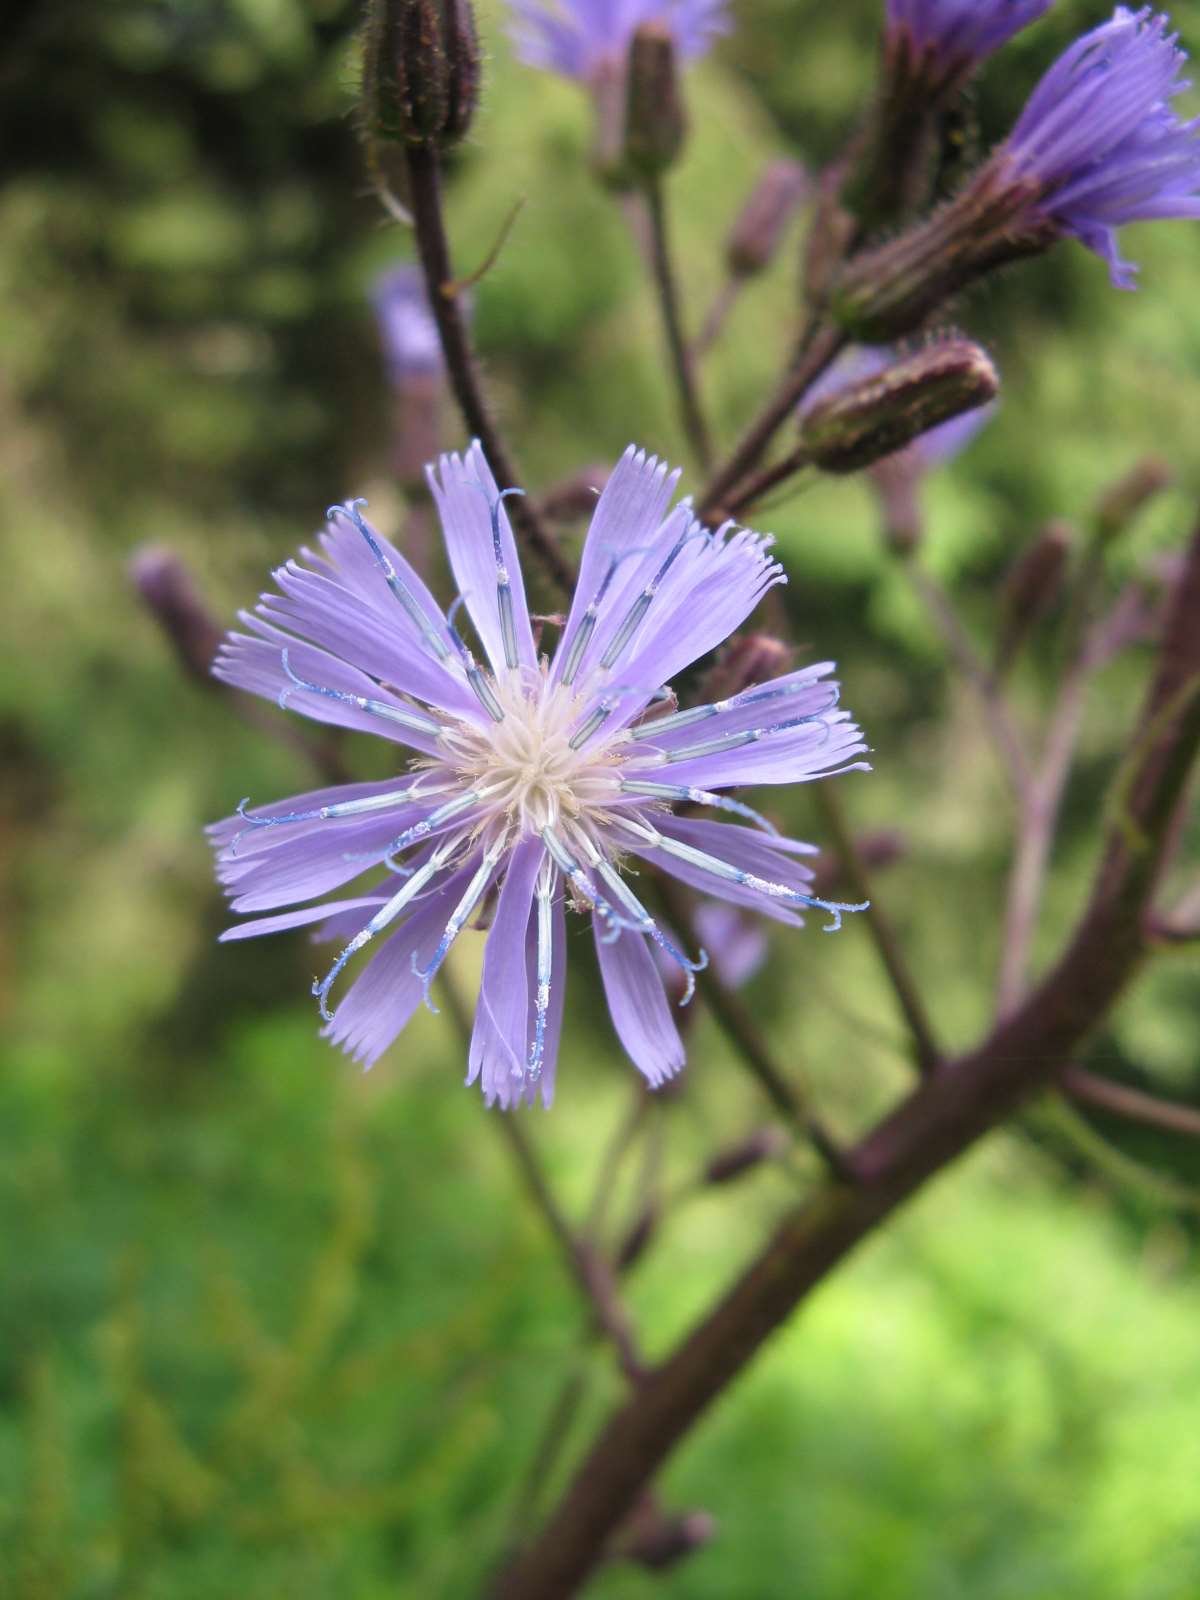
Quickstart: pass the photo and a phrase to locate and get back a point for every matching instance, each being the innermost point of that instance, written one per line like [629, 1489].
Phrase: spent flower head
[537, 783]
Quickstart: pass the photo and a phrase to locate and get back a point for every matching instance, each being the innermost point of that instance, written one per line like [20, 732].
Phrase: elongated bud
[763, 1145]
[633, 1245]
[655, 120]
[1031, 588]
[166, 586]
[420, 71]
[878, 415]
[762, 222]
[573, 499]
[1122, 502]
[889, 292]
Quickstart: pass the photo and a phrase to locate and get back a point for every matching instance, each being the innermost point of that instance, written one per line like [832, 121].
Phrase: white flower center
[524, 768]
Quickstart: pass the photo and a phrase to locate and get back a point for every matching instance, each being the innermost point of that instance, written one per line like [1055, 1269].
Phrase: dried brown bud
[655, 120]
[1031, 588]
[877, 415]
[762, 222]
[420, 71]
[166, 586]
[763, 1145]
[747, 659]
[658, 1539]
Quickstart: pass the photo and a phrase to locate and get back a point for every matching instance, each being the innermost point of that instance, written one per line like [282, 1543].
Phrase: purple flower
[532, 780]
[577, 38]
[1100, 142]
[406, 327]
[961, 30]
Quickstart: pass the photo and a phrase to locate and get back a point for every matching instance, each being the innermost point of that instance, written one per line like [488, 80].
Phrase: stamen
[459, 917]
[565, 861]
[643, 922]
[692, 530]
[392, 578]
[698, 797]
[587, 622]
[376, 708]
[726, 871]
[386, 914]
[545, 959]
[479, 684]
[749, 697]
[732, 741]
[343, 808]
[419, 830]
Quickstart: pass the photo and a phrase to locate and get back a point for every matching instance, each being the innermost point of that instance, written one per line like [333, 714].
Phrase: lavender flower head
[1100, 141]
[579, 38]
[407, 330]
[532, 780]
[960, 30]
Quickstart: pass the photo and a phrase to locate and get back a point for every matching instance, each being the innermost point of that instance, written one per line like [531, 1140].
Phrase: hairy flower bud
[747, 659]
[166, 586]
[1122, 502]
[420, 70]
[760, 225]
[655, 120]
[880, 414]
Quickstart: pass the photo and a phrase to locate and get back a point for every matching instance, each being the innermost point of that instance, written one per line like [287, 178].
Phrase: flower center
[524, 768]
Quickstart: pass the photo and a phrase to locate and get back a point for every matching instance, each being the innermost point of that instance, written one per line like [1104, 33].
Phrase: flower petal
[638, 1005]
[499, 1039]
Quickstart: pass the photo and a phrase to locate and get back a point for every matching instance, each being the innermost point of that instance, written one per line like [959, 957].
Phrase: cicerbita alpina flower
[1098, 145]
[581, 38]
[535, 780]
[958, 33]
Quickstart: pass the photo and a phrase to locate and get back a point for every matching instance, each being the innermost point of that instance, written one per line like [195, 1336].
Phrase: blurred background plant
[268, 1322]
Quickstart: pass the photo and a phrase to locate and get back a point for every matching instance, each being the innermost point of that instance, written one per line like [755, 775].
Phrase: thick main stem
[665, 283]
[425, 199]
[940, 1120]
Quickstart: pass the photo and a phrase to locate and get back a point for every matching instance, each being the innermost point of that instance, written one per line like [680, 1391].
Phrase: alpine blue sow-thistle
[532, 779]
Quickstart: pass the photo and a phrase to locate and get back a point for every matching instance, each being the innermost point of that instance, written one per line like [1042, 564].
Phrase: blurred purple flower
[407, 330]
[961, 30]
[932, 449]
[533, 778]
[579, 37]
[1098, 139]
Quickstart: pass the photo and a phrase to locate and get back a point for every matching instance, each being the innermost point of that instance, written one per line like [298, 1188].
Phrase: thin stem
[425, 196]
[942, 1118]
[1035, 836]
[816, 350]
[742, 1032]
[590, 1271]
[1134, 1105]
[926, 1050]
[981, 679]
[753, 489]
[723, 303]
[663, 272]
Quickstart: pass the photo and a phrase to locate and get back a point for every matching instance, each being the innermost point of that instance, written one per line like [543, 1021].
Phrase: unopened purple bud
[766, 1144]
[658, 1539]
[878, 415]
[747, 659]
[1032, 586]
[166, 586]
[655, 120]
[420, 71]
[762, 222]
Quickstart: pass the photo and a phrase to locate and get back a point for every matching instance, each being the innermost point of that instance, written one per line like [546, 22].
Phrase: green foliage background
[267, 1325]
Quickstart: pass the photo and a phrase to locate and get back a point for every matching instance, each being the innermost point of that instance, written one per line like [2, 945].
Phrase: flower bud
[655, 121]
[1031, 587]
[1122, 502]
[166, 586]
[764, 1145]
[420, 71]
[658, 1539]
[573, 499]
[878, 415]
[760, 225]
